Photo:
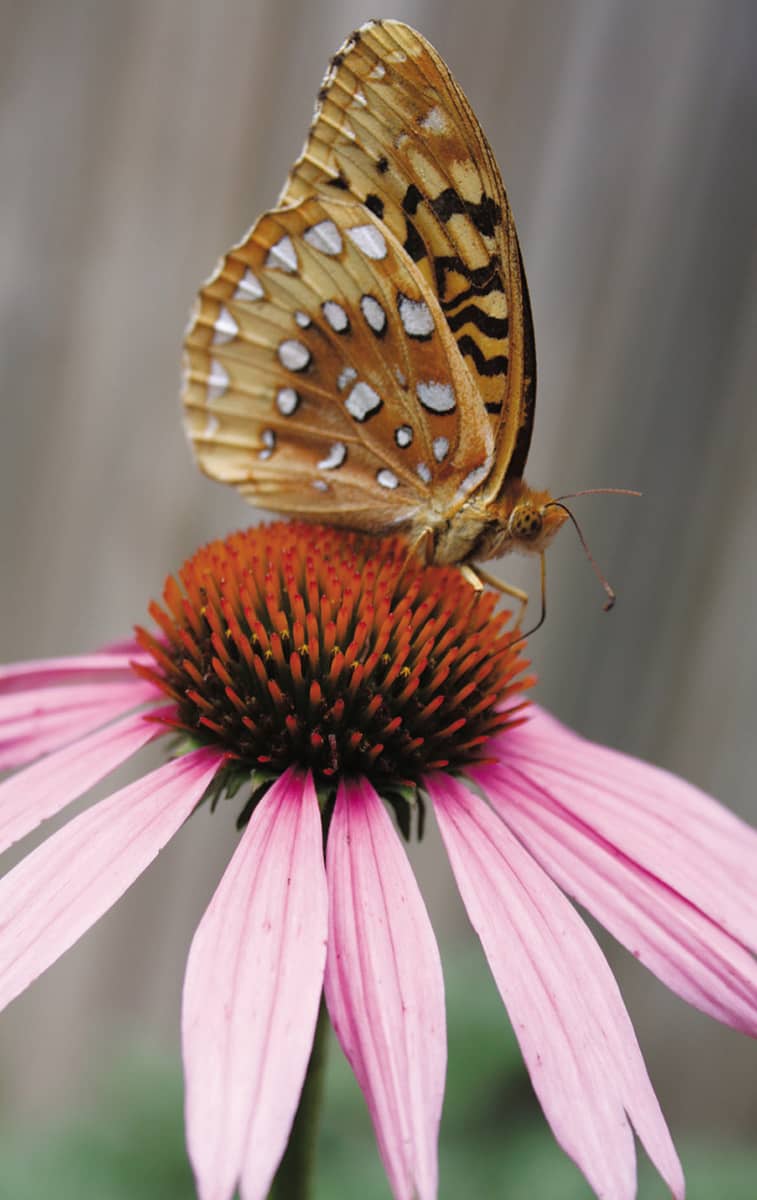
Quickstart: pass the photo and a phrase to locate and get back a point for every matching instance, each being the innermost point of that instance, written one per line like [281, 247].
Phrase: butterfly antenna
[611, 597]
[598, 492]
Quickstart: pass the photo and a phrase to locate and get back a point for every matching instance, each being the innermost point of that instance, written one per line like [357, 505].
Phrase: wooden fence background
[138, 139]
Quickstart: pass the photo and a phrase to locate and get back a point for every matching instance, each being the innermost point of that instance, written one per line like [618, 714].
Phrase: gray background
[138, 139]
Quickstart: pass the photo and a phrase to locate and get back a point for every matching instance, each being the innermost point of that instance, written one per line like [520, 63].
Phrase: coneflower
[324, 691]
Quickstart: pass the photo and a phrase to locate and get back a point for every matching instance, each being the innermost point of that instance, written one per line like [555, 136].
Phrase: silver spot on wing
[335, 457]
[324, 237]
[283, 256]
[218, 380]
[287, 401]
[268, 438]
[336, 316]
[387, 479]
[249, 287]
[369, 239]
[225, 328]
[415, 316]
[362, 401]
[293, 355]
[436, 397]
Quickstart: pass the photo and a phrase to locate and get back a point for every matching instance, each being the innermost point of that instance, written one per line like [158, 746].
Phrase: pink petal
[251, 995]
[22, 750]
[683, 946]
[53, 896]
[37, 702]
[73, 669]
[564, 1004]
[46, 787]
[38, 721]
[665, 825]
[384, 987]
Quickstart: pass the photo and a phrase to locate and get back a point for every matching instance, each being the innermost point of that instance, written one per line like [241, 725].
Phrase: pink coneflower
[312, 680]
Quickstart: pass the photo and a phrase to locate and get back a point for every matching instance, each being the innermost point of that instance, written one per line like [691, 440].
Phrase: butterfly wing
[393, 129]
[322, 378]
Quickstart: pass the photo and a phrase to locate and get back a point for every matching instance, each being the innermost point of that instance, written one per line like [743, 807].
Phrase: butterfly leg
[421, 548]
[419, 553]
[480, 579]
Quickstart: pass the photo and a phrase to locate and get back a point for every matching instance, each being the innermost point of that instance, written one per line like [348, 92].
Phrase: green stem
[295, 1178]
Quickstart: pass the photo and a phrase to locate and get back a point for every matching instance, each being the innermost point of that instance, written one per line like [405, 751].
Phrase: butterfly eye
[525, 522]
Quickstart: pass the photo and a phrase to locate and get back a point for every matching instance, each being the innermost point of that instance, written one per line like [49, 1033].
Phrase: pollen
[294, 644]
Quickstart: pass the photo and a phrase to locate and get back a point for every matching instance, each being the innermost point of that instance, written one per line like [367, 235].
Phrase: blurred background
[138, 140]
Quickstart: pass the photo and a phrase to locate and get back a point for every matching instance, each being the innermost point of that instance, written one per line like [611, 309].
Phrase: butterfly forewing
[322, 377]
[393, 129]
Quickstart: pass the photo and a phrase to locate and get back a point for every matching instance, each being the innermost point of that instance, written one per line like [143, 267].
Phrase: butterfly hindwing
[393, 129]
[322, 377]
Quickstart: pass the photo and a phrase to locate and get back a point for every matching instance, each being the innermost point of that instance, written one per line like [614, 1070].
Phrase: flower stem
[295, 1178]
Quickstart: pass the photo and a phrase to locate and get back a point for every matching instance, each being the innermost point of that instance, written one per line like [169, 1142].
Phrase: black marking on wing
[485, 215]
[478, 277]
[517, 463]
[414, 243]
[412, 199]
[494, 327]
[375, 204]
[340, 182]
[382, 165]
[485, 366]
[492, 285]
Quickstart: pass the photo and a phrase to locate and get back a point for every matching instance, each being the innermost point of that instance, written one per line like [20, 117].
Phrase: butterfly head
[528, 520]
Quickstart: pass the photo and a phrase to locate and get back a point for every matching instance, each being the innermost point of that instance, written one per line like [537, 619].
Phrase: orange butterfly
[365, 356]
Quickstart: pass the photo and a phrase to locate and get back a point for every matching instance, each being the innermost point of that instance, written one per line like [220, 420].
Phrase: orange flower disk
[292, 643]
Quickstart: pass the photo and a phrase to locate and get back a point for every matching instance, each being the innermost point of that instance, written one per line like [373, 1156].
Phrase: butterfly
[364, 357]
